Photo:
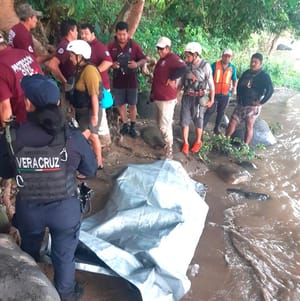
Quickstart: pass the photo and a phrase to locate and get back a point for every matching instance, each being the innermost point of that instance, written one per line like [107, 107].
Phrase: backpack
[79, 99]
[107, 99]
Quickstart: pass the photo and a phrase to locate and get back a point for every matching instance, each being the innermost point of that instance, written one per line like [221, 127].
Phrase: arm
[234, 80]
[268, 90]
[234, 84]
[211, 86]
[105, 65]
[95, 109]
[82, 157]
[53, 65]
[5, 111]
[179, 72]
[134, 65]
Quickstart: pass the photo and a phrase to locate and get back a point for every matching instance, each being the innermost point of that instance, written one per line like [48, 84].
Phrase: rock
[21, 278]
[283, 47]
[145, 108]
[249, 194]
[247, 165]
[151, 135]
[261, 133]
[233, 174]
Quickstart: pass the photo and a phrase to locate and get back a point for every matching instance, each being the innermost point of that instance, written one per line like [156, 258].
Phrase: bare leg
[231, 128]
[132, 113]
[198, 135]
[185, 134]
[123, 113]
[96, 145]
[249, 130]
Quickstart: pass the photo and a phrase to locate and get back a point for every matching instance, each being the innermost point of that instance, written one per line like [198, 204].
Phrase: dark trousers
[63, 220]
[220, 105]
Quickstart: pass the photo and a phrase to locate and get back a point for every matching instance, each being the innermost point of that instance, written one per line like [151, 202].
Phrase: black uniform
[51, 200]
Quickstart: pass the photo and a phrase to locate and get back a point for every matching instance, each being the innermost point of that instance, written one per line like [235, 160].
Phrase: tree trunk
[131, 13]
[8, 16]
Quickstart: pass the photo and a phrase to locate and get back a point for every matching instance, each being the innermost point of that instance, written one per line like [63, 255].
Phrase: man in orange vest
[225, 80]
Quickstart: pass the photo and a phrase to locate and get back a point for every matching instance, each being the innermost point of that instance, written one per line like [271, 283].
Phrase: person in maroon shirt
[20, 35]
[100, 55]
[14, 64]
[164, 90]
[127, 56]
[60, 65]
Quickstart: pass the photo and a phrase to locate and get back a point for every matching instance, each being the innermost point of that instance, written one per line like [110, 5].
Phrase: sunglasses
[160, 48]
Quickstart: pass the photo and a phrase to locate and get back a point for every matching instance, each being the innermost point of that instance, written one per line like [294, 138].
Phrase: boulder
[232, 174]
[261, 133]
[283, 47]
[145, 108]
[21, 278]
[151, 135]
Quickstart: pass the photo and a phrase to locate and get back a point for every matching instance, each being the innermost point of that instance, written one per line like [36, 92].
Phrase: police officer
[47, 154]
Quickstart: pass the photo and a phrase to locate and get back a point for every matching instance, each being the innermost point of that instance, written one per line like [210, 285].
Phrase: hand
[201, 92]
[115, 65]
[94, 120]
[171, 83]
[210, 104]
[132, 65]
[256, 103]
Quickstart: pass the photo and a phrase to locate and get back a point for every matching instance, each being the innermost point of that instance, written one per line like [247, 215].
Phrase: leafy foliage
[233, 148]
[216, 24]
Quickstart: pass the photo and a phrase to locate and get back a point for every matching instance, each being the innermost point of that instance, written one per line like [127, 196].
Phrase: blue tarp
[149, 229]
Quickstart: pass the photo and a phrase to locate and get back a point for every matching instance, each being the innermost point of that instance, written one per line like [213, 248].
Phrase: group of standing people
[205, 89]
[50, 153]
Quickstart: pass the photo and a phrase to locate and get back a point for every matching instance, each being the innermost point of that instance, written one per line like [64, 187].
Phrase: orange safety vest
[222, 79]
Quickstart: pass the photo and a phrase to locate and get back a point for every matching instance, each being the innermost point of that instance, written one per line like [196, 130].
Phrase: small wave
[263, 253]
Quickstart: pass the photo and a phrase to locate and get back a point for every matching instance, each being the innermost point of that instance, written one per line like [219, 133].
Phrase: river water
[250, 250]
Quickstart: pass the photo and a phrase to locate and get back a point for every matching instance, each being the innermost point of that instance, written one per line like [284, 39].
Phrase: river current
[261, 251]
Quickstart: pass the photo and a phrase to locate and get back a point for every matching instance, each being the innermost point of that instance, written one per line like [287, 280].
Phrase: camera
[85, 195]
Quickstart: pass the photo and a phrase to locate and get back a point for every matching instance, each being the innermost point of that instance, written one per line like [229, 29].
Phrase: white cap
[163, 42]
[80, 47]
[227, 51]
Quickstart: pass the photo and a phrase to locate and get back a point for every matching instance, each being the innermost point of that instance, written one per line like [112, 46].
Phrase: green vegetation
[232, 148]
[244, 26]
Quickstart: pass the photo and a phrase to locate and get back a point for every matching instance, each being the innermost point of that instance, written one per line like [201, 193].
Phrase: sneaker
[133, 132]
[75, 295]
[185, 148]
[196, 147]
[124, 130]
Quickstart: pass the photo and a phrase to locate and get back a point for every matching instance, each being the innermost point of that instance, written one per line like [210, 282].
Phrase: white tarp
[149, 229]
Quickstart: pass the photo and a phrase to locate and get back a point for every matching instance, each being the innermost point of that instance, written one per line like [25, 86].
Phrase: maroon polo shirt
[129, 79]
[66, 66]
[100, 53]
[14, 64]
[164, 69]
[19, 37]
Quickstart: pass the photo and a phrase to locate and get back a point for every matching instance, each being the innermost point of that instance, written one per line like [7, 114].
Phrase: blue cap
[40, 90]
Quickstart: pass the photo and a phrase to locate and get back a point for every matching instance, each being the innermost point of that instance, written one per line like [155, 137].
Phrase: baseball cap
[163, 42]
[227, 51]
[40, 90]
[25, 11]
